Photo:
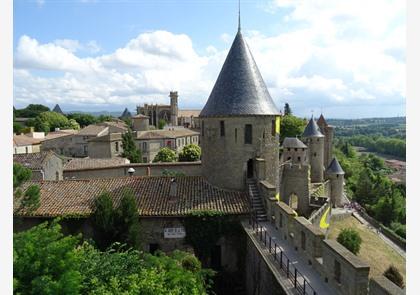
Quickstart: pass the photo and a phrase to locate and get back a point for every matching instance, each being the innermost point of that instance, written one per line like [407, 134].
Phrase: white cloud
[337, 53]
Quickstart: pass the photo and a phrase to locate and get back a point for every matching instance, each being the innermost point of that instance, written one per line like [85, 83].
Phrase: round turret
[239, 124]
[314, 139]
[336, 176]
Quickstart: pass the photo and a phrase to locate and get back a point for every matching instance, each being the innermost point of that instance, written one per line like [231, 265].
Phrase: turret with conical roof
[126, 114]
[336, 176]
[239, 124]
[314, 139]
[57, 109]
[328, 132]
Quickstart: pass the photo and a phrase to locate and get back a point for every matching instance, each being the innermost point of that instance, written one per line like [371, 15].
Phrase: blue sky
[346, 59]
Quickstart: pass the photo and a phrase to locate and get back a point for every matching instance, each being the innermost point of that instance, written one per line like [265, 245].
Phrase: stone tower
[328, 132]
[174, 107]
[336, 176]
[314, 139]
[294, 151]
[239, 124]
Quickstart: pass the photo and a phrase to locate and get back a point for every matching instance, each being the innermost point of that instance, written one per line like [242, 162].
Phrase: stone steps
[256, 202]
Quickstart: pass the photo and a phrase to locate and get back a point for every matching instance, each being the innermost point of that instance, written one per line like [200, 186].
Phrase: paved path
[308, 272]
[394, 246]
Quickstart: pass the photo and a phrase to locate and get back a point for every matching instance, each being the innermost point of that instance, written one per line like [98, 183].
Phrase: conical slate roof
[126, 114]
[57, 109]
[312, 129]
[322, 121]
[334, 167]
[293, 142]
[239, 89]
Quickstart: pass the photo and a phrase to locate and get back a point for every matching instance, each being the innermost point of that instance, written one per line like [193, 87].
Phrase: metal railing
[289, 270]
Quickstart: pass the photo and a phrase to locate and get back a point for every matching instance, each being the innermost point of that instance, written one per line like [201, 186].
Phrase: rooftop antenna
[239, 16]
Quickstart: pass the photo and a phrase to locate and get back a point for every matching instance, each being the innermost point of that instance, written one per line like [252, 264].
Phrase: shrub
[190, 153]
[394, 276]
[165, 155]
[350, 239]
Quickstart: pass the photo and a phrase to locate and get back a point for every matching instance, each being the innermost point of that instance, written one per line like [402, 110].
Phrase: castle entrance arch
[250, 169]
[293, 201]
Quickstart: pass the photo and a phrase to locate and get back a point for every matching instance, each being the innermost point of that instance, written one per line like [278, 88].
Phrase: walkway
[306, 273]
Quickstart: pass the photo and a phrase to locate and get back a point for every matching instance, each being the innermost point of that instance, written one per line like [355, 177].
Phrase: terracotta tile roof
[188, 113]
[22, 140]
[76, 197]
[33, 160]
[119, 124]
[107, 138]
[90, 163]
[156, 134]
[61, 133]
[94, 130]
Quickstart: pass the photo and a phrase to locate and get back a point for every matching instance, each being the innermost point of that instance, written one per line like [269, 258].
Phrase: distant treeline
[389, 146]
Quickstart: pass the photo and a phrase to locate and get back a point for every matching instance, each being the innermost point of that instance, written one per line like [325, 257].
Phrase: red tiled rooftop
[194, 193]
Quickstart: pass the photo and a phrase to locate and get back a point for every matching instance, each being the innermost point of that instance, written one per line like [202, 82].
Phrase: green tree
[190, 153]
[291, 126]
[103, 221]
[165, 155]
[73, 124]
[126, 219]
[83, 119]
[130, 152]
[350, 239]
[161, 123]
[20, 174]
[45, 261]
[287, 109]
[17, 128]
[105, 118]
[48, 121]
[31, 111]
[394, 276]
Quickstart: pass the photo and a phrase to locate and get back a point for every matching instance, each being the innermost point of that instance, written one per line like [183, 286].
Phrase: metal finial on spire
[239, 15]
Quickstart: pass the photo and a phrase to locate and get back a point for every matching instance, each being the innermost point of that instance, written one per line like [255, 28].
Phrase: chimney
[173, 189]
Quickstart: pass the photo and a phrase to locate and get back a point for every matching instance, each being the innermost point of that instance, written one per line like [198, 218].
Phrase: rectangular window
[248, 134]
[222, 128]
[144, 146]
[202, 128]
[236, 135]
[117, 146]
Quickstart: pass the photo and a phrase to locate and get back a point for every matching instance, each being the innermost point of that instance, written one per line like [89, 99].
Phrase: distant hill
[367, 121]
[98, 113]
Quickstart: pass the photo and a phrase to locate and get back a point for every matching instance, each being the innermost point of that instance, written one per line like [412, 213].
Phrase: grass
[373, 249]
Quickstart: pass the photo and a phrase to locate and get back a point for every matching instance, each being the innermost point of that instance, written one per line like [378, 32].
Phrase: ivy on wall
[205, 228]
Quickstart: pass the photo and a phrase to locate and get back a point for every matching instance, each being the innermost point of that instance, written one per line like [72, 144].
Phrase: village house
[163, 203]
[23, 144]
[44, 165]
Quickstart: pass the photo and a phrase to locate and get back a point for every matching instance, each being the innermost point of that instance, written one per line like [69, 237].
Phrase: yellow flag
[278, 125]
[278, 197]
[325, 222]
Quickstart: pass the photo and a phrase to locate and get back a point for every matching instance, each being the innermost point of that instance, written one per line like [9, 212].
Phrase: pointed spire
[312, 129]
[334, 167]
[239, 16]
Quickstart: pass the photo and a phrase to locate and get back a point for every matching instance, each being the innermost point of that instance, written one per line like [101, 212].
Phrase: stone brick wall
[61, 145]
[141, 169]
[295, 180]
[53, 168]
[382, 286]
[353, 273]
[316, 157]
[225, 157]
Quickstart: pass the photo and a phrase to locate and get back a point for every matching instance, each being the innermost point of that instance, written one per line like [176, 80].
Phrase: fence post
[281, 259]
[269, 245]
[265, 237]
[287, 267]
[304, 286]
[275, 251]
[296, 277]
